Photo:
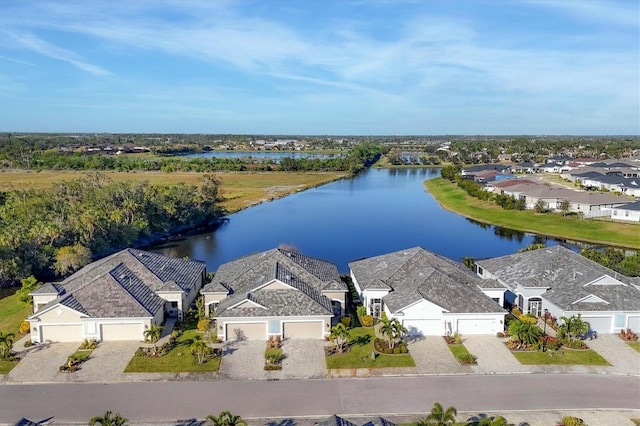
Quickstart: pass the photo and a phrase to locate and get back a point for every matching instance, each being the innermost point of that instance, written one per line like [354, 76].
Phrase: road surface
[167, 401]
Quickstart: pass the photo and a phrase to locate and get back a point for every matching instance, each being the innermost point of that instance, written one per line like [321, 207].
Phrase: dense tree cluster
[617, 259]
[44, 232]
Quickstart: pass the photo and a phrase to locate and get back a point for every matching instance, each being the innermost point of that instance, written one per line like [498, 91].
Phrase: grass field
[359, 355]
[179, 359]
[634, 345]
[239, 189]
[12, 313]
[563, 357]
[451, 197]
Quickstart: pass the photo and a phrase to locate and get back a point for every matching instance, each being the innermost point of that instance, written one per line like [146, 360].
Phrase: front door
[376, 308]
[535, 307]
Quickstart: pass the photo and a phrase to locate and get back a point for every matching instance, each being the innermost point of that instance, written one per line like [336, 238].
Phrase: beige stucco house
[275, 293]
[115, 298]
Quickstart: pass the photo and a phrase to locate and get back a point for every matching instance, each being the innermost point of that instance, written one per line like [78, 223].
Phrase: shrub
[467, 358]
[361, 311]
[25, 327]
[203, 324]
[88, 344]
[517, 312]
[346, 321]
[273, 355]
[628, 335]
[573, 421]
[28, 343]
[274, 342]
[366, 321]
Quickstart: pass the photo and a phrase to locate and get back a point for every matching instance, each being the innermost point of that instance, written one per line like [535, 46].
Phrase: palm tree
[6, 342]
[491, 421]
[572, 328]
[226, 418]
[109, 419]
[339, 335]
[152, 334]
[439, 416]
[386, 329]
[199, 348]
[399, 331]
[524, 333]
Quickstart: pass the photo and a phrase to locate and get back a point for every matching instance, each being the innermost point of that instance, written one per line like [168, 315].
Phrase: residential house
[275, 293]
[627, 212]
[428, 293]
[565, 283]
[115, 298]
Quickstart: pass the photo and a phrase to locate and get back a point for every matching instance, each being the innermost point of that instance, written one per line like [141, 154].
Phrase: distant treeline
[49, 232]
[16, 155]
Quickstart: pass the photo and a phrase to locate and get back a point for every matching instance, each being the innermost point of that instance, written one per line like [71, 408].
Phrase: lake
[377, 212]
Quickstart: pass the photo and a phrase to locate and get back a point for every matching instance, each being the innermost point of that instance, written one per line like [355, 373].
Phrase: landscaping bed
[360, 353]
[562, 356]
[462, 354]
[76, 359]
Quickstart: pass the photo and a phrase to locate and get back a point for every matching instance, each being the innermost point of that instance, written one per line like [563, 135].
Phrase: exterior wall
[626, 215]
[476, 323]
[210, 298]
[356, 285]
[54, 316]
[336, 295]
[368, 295]
[178, 297]
[528, 293]
[495, 294]
[39, 300]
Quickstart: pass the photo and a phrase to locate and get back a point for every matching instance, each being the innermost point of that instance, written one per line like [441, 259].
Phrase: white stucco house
[115, 298]
[275, 293]
[627, 212]
[430, 294]
[566, 283]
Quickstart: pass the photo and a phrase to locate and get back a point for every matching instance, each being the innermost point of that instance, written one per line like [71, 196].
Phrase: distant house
[275, 293]
[472, 171]
[428, 293]
[627, 212]
[566, 283]
[115, 298]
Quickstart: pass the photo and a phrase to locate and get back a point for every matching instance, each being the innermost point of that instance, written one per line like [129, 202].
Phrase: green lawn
[12, 313]
[460, 352]
[564, 356]
[634, 345]
[451, 197]
[359, 355]
[6, 366]
[179, 359]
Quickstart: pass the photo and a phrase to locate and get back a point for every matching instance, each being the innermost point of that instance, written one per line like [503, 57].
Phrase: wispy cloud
[18, 61]
[604, 11]
[43, 47]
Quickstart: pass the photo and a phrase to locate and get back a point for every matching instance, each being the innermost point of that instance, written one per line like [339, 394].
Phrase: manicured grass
[359, 355]
[634, 345]
[6, 366]
[461, 352]
[179, 359]
[562, 357]
[12, 313]
[239, 189]
[596, 231]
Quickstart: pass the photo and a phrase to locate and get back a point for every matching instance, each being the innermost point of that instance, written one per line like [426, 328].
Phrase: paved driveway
[623, 358]
[40, 363]
[303, 359]
[107, 363]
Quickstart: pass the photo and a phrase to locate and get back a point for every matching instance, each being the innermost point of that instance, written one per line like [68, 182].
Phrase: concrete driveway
[107, 363]
[244, 360]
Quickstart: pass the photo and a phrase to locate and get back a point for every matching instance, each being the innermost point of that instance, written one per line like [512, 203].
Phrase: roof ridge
[133, 296]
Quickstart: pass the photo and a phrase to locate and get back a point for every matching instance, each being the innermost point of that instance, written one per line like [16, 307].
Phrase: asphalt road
[168, 401]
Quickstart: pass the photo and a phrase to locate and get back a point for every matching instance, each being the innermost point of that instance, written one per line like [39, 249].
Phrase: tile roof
[245, 278]
[568, 277]
[415, 274]
[631, 206]
[125, 284]
[335, 421]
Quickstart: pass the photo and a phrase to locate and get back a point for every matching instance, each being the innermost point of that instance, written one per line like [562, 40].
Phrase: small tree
[439, 416]
[200, 308]
[565, 205]
[153, 334]
[361, 311]
[29, 285]
[200, 349]
[572, 328]
[109, 419]
[540, 207]
[399, 331]
[71, 258]
[339, 335]
[226, 418]
[6, 342]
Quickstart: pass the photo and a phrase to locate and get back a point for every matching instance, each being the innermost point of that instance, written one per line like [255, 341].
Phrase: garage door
[110, 332]
[62, 333]
[424, 327]
[247, 331]
[599, 324]
[634, 324]
[303, 330]
[478, 326]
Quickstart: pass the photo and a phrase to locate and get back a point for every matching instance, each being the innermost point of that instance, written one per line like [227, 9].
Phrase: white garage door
[112, 332]
[62, 333]
[247, 331]
[634, 324]
[303, 330]
[599, 324]
[478, 326]
[424, 327]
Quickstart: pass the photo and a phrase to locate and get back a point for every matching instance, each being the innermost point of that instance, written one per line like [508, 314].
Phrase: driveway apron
[41, 363]
[432, 356]
[623, 358]
[107, 363]
[493, 356]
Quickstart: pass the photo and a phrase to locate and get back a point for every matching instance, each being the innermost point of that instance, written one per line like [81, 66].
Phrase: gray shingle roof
[567, 276]
[335, 421]
[415, 274]
[125, 284]
[245, 278]
[631, 206]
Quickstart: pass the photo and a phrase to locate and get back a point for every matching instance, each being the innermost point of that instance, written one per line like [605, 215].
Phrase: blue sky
[336, 67]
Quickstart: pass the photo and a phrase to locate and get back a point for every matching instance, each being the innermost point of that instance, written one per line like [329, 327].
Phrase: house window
[619, 321]
[274, 327]
[480, 270]
[496, 299]
[615, 212]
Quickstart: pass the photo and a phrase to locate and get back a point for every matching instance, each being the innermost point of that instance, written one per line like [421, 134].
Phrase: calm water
[380, 211]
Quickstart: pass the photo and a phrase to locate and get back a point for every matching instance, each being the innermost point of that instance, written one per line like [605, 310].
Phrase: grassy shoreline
[452, 198]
